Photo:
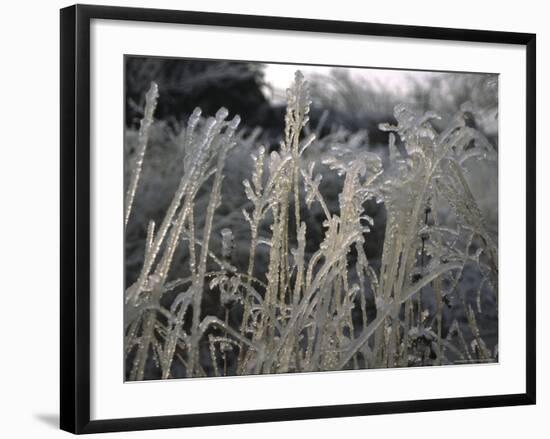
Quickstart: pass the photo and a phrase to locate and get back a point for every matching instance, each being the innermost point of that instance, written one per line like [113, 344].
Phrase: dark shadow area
[49, 419]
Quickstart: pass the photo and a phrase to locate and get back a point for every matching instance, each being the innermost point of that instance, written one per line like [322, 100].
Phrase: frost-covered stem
[454, 286]
[150, 104]
[275, 277]
[406, 325]
[225, 335]
[150, 237]
[196, 162]
[169, 352]
[166, 261]
[173, 333]
[439, 317]
[132, 293]
[297, 194]
[338, 293]
[438, 288]
[258, 333]
[360, 268]
[284, 271]
[278, 272]
[192, 251]
[344, 310]
[253, 245]
[392, 343]
[150, 322]
[142, 353]
[470, 315]
[211, 255]
[307, 303]
[390, 262]
[292, 343]
[130, 339]
[422, 265]
[317, 195]
[410, 235]
[213, 360]
[393, 306]
[258, 198]
[211, 320]
[407, 259]
[250, 271]
[320, 319]
[357, 344]
[299, 264]
[479, 223]
[171, 343]
[472, 323]
[296, 186]
[390, 265]
[131, 311]
[199, 282]
[295, 119]
[430, 277]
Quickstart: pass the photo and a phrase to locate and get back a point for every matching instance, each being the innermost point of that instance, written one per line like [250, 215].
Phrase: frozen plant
[326, 308]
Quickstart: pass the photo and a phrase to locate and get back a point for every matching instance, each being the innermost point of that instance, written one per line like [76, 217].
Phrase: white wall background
[29, 218]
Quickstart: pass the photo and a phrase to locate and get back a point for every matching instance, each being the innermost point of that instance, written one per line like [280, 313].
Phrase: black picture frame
[76, 210]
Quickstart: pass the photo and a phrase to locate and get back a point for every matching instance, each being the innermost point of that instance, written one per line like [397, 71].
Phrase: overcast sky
[280, 76]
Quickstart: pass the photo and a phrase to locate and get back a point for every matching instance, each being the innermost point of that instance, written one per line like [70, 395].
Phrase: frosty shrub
[292, 304]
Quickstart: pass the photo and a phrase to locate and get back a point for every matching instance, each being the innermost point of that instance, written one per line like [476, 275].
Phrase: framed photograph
[268, 218]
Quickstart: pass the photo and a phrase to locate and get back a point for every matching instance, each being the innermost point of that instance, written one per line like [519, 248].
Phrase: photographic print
[284, 218]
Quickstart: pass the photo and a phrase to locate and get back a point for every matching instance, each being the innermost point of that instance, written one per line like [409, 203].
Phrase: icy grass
[309, 310]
